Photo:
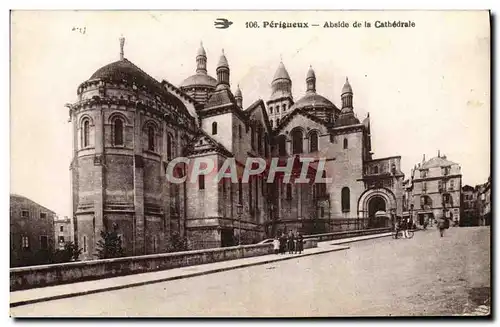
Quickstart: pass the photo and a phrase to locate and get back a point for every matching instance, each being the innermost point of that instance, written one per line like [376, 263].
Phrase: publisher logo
[222, 23]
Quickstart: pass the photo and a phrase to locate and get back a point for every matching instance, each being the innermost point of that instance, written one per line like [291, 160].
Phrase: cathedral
[127, 127]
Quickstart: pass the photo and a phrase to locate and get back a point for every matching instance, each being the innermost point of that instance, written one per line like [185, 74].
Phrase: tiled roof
[437, 162]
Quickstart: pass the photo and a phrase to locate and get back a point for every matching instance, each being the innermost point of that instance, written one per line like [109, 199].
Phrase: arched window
[277, 108]
[277, 122]
[270, 110]
[345, 143]
[297, 142]
[282, 145]
[346, 206]
[86, 133]
[375, 169]
[271, 123]
[151, 138]
[170, 147]
[284, 107]
[214, 128]
[313, 142]
[118, 131]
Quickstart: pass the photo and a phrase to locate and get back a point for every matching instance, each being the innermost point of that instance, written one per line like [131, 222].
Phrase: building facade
[484, 203]
[63, 229]
[31, 232]
[435, 190]
[128, 127]
[470, 216]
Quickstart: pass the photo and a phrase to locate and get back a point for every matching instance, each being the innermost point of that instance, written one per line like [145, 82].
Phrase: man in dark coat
[291, 245]
[300, 244]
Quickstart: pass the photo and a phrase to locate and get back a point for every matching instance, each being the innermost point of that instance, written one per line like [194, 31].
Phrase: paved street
[426, 275]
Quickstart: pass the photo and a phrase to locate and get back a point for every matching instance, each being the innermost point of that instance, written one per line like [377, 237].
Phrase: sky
[426, 88]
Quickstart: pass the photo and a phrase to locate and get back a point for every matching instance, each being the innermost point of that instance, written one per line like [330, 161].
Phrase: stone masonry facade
[128, 127]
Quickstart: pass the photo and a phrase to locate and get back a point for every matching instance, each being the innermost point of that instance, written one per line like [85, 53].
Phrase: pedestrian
[291, 243]
[276, 245]
[404, 228]
[282, 243]
[397, 227]
[300, 243]
[441, 225]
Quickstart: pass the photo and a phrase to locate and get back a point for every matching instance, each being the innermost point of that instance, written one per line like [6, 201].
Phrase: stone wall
[47, 275]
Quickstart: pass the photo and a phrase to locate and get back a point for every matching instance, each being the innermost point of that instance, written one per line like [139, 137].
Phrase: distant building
[31, 232]
[470, 215]
[436, 186]
[484, 203]
[63, 231]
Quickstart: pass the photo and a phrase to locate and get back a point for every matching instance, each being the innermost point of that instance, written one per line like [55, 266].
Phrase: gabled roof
[259, 104]
[301, 112]
[207, 145]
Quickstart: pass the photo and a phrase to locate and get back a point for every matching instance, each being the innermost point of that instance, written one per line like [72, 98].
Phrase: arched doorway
[375, 205]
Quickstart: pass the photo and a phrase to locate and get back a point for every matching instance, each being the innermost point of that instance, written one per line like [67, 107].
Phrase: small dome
[199, 79]
[223, 61]
[201, 51]
[347, 87]
[310, 73]
[281, 73]
[238, 92]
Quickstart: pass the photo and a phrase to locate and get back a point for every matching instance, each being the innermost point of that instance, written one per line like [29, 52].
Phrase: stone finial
[122, 44]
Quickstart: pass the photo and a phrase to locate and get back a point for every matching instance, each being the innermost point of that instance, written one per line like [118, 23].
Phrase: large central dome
[125, 71]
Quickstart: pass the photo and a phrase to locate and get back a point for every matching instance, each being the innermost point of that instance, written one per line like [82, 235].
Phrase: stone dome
[310, 73]
[238, 92]
[281, 73]
[199, 79]
[126, 71]
[201, 51]
[347, 87]
[223, 61]
[314, 100]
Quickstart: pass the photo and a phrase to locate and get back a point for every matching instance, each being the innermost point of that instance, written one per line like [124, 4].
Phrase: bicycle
[409, 233]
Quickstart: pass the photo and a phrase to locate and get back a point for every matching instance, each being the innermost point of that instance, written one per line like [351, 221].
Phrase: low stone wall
[347, 234]
[47, 275]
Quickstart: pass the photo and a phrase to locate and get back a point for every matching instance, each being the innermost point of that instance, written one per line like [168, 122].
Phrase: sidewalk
[352, 239]
[35, 295]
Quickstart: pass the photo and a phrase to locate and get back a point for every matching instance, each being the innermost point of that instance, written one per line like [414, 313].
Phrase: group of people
[404, 225]
[290, 243]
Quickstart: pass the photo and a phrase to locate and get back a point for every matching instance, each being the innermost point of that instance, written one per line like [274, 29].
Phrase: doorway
[376, 204]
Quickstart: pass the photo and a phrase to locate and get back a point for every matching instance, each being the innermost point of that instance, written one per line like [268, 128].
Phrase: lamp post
[239, 212]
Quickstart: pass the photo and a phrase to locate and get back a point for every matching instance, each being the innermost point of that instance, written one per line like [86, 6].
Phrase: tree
[70, 253]
[110, 246]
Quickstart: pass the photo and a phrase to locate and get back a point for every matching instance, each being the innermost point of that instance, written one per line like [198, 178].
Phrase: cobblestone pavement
[426, 275]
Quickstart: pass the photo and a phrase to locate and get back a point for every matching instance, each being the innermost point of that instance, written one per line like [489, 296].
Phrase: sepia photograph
[258, 164]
